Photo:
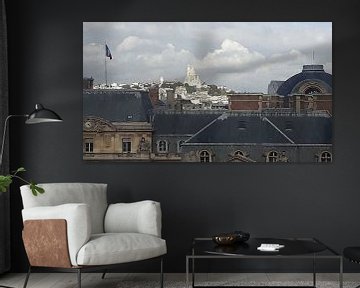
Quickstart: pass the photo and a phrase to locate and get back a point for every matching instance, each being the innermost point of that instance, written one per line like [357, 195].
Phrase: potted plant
[6, 180]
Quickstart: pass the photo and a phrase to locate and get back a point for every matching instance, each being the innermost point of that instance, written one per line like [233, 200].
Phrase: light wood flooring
[114, 280]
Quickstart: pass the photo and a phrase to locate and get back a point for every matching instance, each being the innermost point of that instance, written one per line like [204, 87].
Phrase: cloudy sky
[244, 56]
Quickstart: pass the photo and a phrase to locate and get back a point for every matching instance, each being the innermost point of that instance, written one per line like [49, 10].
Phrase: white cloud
[167, 58]
[129, 43]
[93, 60]
[230, 57]
[132, 43]
[240, 55]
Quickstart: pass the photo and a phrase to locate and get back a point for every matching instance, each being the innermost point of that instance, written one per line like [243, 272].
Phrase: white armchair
[72, 228]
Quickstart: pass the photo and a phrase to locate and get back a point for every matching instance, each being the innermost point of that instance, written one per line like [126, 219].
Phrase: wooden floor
[115, 280]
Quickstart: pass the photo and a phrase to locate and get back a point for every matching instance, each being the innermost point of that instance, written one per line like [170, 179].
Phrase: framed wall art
[239, 92]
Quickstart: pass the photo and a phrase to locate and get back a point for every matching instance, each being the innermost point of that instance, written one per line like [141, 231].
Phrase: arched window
[272, 156]
[205, 156]
[180, 142]
[162, 146]
[312, 90]
[325, 157]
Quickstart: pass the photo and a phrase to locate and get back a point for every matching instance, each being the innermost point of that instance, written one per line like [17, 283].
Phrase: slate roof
[181, 123]
[252, 129]
[274, 86]
[309, 72]
[117, 105]
[207, 127]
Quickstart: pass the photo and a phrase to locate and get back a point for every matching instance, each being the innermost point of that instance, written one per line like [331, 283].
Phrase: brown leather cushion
[45, 243]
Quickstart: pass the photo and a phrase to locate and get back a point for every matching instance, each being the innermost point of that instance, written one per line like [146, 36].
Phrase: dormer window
[205, 156]
[180, 142]
[325, 157]
[162, 146]
[272, 157]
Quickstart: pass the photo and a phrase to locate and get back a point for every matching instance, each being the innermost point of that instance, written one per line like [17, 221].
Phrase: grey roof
[252, 129]
[274, 86]
[310, 72]
[117, 105]
[181, 123]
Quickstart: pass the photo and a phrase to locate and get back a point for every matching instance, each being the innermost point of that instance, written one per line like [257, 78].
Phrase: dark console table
[294, 248]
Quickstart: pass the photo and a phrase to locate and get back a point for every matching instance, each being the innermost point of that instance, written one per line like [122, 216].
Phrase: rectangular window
[126, 145]
[89, 145]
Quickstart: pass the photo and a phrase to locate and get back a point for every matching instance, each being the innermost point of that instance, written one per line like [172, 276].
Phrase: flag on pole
[107, 52]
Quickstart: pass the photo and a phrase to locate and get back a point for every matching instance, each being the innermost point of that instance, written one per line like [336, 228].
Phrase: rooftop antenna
[313, 57]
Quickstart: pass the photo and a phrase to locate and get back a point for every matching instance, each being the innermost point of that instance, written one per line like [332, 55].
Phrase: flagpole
[106, 83]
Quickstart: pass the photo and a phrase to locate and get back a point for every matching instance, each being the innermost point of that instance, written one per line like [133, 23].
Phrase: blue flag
[107, 52]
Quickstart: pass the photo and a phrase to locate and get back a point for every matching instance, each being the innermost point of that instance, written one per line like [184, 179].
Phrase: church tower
[192, 78]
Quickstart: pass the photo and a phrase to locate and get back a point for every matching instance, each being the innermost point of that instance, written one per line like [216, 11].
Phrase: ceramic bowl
[225, 239]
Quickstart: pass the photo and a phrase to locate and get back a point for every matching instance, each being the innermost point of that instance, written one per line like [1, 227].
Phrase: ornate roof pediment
[97, 124]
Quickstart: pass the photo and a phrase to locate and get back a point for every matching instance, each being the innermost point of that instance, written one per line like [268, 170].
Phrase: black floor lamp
[39, 115]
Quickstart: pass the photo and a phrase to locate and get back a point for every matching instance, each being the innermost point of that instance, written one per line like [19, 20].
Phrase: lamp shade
[42, 115]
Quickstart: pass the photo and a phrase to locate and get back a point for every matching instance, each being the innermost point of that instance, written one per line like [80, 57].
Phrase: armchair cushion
[138, 217]
[93, 194]
[113, 248]
[78, 221]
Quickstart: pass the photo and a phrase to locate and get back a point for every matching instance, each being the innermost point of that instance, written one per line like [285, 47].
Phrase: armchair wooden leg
[79, 277]
[103, 275]
[27, 277]
[161, 273]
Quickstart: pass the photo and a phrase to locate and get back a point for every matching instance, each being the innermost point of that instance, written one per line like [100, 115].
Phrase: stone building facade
[104, 140]
[310, 90]
[292, 123]
[116, 125]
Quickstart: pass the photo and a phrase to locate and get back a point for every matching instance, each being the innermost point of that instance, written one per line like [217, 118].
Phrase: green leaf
[36, 189]
[20, 169]
[40, 190]
[33, 189]
[5, 182]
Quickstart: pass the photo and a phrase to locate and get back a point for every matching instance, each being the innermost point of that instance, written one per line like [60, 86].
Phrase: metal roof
[252, 129]
[314, 73]
[182, 123]
[117, 105]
